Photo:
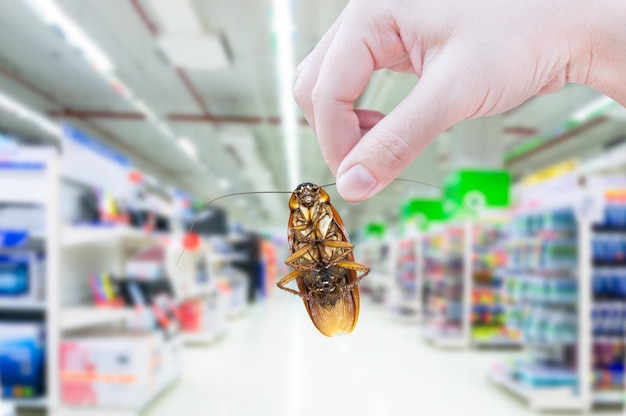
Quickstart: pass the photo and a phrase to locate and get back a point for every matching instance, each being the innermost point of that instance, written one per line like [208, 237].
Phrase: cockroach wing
[341, 318]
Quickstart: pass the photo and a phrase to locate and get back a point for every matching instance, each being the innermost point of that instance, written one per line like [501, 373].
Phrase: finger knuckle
[395, 149]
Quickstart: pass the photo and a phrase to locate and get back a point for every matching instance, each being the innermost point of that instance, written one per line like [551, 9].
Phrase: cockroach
[322, 259]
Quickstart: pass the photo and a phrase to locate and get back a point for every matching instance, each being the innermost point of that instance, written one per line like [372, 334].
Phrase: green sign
[420, 212]
[375, 229]
[469, 191]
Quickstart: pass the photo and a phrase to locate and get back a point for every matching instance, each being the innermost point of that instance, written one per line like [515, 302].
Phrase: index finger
[343, 76]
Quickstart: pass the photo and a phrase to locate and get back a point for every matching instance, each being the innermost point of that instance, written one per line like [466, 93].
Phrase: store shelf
[75, 318]
[74, 235]
[12, 305]
[438, 339]
[496, 343]
[608, 398]
[195, 293]
[200, 338]
[547, 399]
[35, 403]
[163, 385]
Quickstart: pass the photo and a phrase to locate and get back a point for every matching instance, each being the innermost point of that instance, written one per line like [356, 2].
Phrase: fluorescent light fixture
[52, 14]
[284, 30]
[15, 107]
[165, 130]
[594, 108]
[197, 52]
[188, 147]
[176, 16]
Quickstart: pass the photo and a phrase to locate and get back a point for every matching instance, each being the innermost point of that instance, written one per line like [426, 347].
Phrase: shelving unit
[120, 234]
[76, 318]
[405, 290]
[489, 257]
[375, 252]
[552, 279]
[195, 279]
[31, 176]
[447, 281]
[101, 249]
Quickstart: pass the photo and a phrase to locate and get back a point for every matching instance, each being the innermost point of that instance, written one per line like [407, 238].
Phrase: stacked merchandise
[444, 263]
[405, 299]
[489, 258]
[125, 367]
[22, 301]
[116, 368]
[22, 359]
[375, 254]
[541, 285]
[609, 298]
[567, 289]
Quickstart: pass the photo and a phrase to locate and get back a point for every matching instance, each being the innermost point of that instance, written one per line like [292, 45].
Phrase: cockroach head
[307, 193]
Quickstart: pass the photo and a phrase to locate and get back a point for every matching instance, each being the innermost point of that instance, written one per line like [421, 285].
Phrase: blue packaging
[14, 274]
[22, 359]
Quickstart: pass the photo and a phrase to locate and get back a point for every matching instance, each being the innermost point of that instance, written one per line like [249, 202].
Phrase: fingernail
[356, 184]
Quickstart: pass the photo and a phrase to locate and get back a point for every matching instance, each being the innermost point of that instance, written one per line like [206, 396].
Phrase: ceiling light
[12, 106]
[284, 31]
[50, 13]
[188, 147]
[196, 52]
[176, 18]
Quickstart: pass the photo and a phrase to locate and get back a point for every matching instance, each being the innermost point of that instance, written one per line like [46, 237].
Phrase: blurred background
[500, 289]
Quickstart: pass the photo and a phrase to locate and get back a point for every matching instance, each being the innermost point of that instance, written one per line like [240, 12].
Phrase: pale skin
[474, 58]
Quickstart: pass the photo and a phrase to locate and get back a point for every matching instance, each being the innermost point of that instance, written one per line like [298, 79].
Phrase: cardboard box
[111, 369]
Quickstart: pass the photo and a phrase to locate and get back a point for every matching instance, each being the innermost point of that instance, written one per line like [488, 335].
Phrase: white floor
[274, 362]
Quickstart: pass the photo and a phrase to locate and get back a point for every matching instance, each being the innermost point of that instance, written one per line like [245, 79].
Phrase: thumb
[391, 145]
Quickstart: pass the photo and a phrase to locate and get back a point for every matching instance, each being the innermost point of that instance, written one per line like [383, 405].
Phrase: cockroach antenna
[222, 197]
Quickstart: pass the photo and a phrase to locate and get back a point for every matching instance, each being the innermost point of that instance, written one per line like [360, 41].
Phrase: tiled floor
[274, 362]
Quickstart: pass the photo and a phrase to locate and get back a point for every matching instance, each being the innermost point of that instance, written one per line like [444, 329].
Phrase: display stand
[31, 176]
[572, 387]
[85, 251]
[375, 253]
[486, 286]
[447, 275]
[405, 291]
[194, 280]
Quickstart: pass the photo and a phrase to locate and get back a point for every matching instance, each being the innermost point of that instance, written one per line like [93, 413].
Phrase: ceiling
[232, 115]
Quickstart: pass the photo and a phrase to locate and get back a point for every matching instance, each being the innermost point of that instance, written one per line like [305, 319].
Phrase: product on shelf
[444, 264]
[608, 251]
[22, 276]
[405, 289]
[542, 293]
[489, 258]
[553, 291]
[22, 359]
[115, 368]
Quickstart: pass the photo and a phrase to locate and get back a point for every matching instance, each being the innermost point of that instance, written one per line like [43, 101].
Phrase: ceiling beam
[520, 130]
[557, 140]
[180, 117]
[108, 136]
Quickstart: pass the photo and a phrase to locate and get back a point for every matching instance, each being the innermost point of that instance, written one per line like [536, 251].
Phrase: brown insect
[322, 259]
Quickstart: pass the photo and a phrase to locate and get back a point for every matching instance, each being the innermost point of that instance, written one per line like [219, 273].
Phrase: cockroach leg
[288, 278]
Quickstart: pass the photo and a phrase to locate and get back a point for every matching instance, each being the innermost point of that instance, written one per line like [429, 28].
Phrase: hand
[473, 58]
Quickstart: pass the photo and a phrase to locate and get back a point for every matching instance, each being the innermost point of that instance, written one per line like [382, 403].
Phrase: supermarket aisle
[273, 362]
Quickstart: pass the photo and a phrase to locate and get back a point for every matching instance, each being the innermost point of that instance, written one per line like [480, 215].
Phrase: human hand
[473, 59]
